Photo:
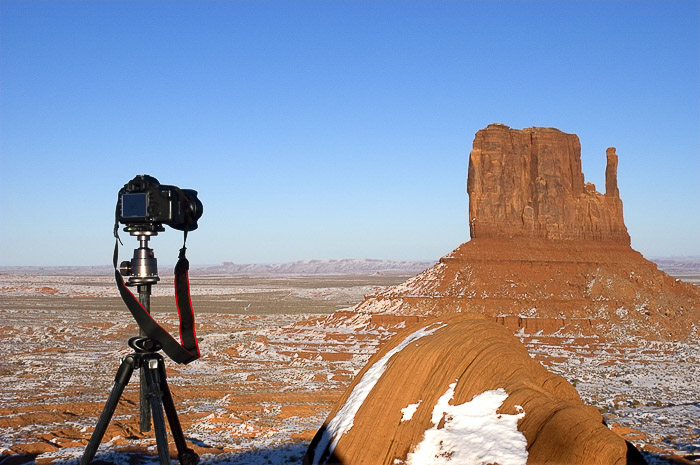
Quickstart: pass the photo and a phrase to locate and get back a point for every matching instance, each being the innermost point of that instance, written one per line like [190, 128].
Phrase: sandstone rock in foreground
[462, 390]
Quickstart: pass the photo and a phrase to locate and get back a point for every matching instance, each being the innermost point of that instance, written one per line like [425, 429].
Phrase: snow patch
[409, 410]
[473, 432]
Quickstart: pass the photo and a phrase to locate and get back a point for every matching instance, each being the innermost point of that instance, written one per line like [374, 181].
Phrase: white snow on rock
[473, 432]
[343, 421]
[409, 410]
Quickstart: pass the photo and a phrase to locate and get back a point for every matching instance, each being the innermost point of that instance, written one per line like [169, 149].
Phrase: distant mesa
[547, 251]
[463, 390]
[345, 266]
[680, 265]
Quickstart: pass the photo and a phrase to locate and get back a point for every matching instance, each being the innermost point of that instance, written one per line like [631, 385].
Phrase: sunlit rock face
[462, 390]
[529, 183]
[547, 252]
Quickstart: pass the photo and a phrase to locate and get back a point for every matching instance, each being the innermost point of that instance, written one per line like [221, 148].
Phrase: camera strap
[185, 351]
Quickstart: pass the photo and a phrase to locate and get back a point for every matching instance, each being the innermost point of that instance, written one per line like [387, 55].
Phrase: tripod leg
[144, 410]
[120, 381]
[186, 455]
[155, 399]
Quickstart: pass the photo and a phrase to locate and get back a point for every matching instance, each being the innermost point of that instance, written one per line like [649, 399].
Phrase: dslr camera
[146, 204]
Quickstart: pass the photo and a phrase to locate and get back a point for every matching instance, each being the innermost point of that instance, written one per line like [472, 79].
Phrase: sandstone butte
[463, 390]
[547, 251]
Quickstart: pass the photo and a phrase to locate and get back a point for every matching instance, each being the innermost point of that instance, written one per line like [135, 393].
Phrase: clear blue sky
[331, 129]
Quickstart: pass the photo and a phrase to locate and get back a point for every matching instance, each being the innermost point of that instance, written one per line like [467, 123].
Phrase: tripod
[154, 391]
[158, 396]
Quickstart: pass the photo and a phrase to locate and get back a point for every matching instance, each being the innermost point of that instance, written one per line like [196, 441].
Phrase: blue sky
[331, 129]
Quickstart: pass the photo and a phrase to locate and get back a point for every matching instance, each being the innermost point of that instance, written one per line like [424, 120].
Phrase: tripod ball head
[143, 267]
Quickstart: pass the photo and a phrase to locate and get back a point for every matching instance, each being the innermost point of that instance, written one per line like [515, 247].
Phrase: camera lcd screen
[134, 205]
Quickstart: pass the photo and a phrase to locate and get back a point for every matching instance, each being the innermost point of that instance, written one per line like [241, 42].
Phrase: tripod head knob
[125, 268]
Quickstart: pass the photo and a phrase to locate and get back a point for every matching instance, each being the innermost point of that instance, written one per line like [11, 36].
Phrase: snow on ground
[261, 385]
[103, 286]
[266, 382]
[650, 388]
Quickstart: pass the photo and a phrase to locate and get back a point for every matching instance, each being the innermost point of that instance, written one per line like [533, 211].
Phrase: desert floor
[271, 369]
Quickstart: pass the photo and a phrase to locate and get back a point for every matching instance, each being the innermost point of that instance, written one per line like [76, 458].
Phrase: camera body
[144, 203]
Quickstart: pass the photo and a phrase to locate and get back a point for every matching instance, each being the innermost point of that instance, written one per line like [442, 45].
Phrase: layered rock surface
[547, 251]
[529, 183]
[536, 284]
[462, 390]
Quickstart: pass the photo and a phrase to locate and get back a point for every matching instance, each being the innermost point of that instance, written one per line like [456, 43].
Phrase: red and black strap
[181, 352]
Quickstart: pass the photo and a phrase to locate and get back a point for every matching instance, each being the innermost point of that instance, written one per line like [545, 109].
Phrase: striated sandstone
[529, 183]
[540, 419]
[599, 287]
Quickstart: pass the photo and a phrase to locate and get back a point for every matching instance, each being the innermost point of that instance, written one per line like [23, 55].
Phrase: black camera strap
[181, 352]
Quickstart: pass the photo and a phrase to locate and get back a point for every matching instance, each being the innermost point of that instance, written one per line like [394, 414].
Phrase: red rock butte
[529, 183]
[547, 251]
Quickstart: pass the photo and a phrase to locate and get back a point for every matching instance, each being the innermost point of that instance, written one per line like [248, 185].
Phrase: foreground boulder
[462, 390]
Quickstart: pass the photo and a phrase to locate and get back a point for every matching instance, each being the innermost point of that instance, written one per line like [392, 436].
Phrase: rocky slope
[538, 282]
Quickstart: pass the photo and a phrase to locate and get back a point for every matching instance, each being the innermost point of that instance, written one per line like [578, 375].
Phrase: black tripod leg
[155, 399]
[186, 455]
[120, 381]
[144, 411]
